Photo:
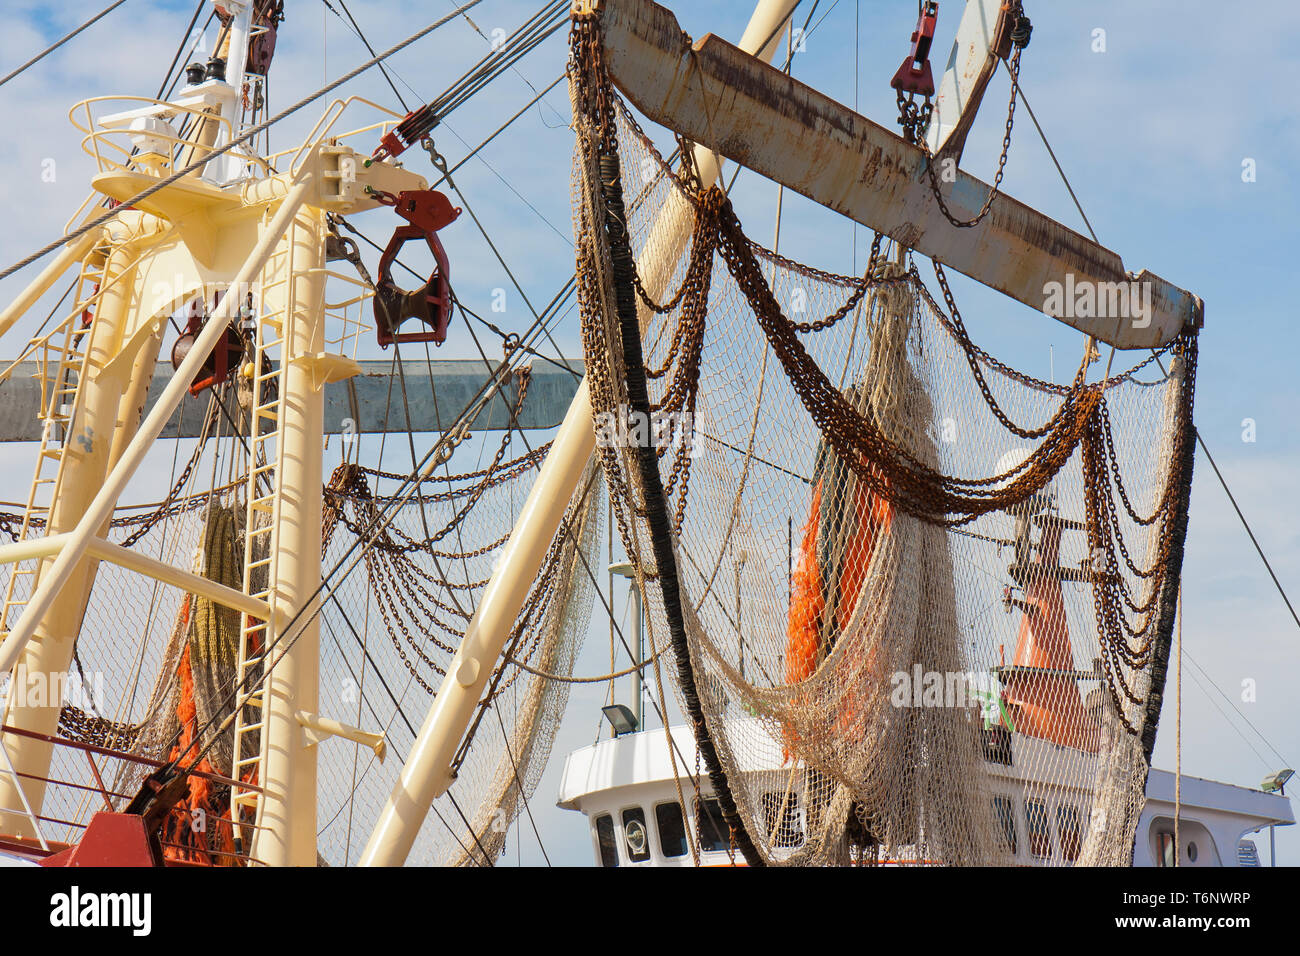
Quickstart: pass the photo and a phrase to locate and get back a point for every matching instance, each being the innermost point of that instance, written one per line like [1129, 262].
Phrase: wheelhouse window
[1067, 824]
[672, 829]
[635, 835]
[997, 745]
[1005, 812]
[606, 840]
[781, 817]
[1165, 849]
[710, 828]
[1040, 828]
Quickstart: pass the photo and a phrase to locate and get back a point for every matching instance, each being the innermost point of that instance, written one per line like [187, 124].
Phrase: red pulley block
[427, 211]
[914, 76]
[220, 363]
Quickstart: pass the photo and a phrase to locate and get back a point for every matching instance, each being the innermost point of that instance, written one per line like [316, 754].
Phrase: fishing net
[407, 609]
[162, 664]
[918, 603]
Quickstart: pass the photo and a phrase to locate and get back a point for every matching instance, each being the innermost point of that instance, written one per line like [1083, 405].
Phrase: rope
[564, 679]
[588, 53]
[1178, 735]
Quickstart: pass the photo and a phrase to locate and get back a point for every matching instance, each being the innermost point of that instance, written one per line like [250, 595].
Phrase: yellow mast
[216, 229]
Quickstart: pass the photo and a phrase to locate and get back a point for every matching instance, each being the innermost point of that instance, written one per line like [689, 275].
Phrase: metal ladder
[263, 488]
[60, 369]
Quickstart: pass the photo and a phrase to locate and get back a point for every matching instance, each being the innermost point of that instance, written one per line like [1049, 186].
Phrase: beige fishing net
[918, 603]
[387, 634]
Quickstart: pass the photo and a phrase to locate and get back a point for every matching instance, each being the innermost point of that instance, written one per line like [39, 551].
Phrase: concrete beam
[456, 382]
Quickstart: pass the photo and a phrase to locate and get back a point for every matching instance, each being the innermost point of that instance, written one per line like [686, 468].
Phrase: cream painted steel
[718, 95]
[43, 638]
[984, 29]
[426, 774]
[237, 44]
[317, 728]
[191, 583]
[286, 813]
[17, 788]
[100, 508]
[73, 252]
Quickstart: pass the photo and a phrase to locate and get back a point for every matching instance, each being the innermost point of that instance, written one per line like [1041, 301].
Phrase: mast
[288, 756]
[93, 445]
[427, 772]
[250, 236]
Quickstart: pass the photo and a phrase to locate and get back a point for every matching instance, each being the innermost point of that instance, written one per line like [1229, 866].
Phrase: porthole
[1191, 852]
[635, 835]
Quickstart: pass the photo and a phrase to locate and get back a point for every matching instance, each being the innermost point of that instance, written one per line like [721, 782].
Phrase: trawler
[807, 475]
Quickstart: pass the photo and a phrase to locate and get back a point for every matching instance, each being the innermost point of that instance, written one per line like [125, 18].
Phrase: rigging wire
[477, 841]
[1204, 448]
[420, 122]
[244, 137]
[50, 49]
[558, 301]
[502, 128]
[1268, 743]
[1051, 152]
[519, 785]
[362, 37]
[180, 47]
[537, 212]
[515, 70]
[609, 611]
[1245, 524]
[1199, 439]
[370, 535]
[1226, 719]
[497, 252]
[398, 712]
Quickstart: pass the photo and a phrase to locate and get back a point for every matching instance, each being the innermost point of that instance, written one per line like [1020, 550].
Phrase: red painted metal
[120, 755]
[427, 211]
[915, 76]
[112, 839]
[220, 363]
[128, 838]
[414, 126]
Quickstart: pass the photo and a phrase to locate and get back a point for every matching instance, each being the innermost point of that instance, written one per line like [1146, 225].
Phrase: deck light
[620, 718]
[1275, 782]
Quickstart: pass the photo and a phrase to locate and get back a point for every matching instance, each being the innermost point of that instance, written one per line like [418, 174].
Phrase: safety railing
[325, 129]
[72, 797]
[156, 137]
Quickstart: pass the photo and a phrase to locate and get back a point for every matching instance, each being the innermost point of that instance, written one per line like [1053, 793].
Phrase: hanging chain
[1126, 621]
[915, 120]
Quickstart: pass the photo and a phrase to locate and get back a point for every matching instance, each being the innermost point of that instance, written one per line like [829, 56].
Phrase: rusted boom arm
[758, 116]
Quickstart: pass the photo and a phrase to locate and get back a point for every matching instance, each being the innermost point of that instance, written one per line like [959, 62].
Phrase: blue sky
[1152, 132]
